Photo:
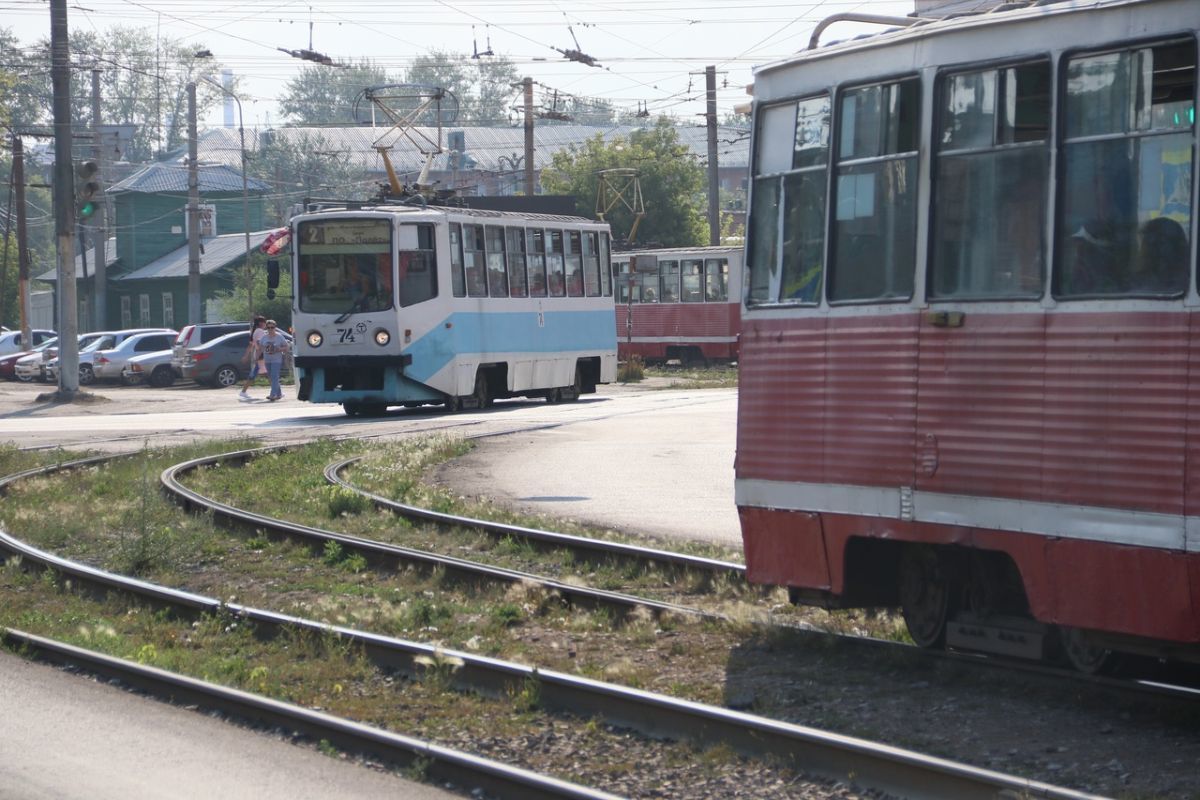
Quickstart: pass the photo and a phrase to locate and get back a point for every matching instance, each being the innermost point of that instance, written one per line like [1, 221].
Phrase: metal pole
[64, 203]
[18, 174]
[245, 194]
[100, 228]
[193, 212]
[528, 85]
[714, 182]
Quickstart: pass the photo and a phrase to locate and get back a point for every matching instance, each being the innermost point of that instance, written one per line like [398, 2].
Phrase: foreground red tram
[970, 355]
[678, 303]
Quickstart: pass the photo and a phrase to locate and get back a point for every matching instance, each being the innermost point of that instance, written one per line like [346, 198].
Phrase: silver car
[152, 369]
[109, 364]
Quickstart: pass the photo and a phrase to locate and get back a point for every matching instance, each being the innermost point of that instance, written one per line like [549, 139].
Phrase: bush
[632, 371]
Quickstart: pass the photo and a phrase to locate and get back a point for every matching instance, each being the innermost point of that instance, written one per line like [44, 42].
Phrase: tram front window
[345, 265]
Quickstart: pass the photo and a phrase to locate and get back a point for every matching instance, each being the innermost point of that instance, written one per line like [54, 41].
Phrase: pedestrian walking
[258, 329]
[273, 346]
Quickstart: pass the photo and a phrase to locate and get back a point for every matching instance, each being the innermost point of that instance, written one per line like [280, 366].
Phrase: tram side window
[693, 280]
[574, 265]
[875, 210]
[535, 240]
[624, 284]
[497, 270]
[668, 273]
[554, 264]
[716, 280]
[605, 274]
[458, 280]
[992, 182]
[417, 264]
[516, 261]
[787, 246]
[476, 267]
[1127, 181]
[591, 264]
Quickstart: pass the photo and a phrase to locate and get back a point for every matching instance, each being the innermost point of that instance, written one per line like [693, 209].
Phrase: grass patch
[723, 376]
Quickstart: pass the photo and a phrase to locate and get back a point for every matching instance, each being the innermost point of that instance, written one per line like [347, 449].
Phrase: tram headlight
[382, 337]
[315, 339]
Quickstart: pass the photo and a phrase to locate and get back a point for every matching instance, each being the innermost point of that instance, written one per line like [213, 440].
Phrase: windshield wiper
[349, 311]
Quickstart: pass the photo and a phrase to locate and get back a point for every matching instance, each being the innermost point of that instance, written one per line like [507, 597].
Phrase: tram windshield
[345, 265]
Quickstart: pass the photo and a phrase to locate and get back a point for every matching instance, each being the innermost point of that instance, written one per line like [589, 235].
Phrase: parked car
[33, 367]
[153, 369]
[105, 340]
[8, 363]
[196, 335]
[219, 363]
[10, 341]
[109, 364]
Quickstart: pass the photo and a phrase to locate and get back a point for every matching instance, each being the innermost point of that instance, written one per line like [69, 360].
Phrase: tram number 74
[345, 335]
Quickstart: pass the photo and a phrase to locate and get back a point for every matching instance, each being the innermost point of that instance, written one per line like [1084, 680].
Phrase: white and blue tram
[413, 305]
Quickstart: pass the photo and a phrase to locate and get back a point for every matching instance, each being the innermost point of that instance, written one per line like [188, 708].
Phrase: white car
[152, 369]
[10, 341]
[33, 366]
[103, 340]
[109, 364]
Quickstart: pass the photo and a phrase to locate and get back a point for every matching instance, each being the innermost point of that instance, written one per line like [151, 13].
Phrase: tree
[304, 164]
[483, 86]
[672, 183]
[234, 304]
[322, 95]
[140, 84]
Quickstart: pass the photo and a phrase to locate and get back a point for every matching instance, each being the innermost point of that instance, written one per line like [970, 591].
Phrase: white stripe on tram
[1089, 523]
[682, 339]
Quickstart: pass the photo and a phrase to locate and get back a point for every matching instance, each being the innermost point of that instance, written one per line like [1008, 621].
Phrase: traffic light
[87, 189]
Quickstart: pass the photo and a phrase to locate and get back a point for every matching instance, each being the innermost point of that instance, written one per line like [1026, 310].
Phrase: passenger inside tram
[1162, 261]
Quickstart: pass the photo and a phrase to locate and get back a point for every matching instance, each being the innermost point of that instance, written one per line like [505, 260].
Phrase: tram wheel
[1080, 653]
[924, 596]
[554, 396]
[453, 404]
[572, 392]
[352, 409]
[483, 398]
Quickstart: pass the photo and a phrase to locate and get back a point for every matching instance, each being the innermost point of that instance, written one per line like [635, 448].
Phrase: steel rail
[882, 767]
[381, 554]
[615, 550]
[439, 763]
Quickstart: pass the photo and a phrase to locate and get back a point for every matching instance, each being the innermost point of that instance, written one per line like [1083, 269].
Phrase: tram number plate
[344, 336]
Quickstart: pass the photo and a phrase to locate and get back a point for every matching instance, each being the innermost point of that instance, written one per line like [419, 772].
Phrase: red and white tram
[970, 352]
[679, 303]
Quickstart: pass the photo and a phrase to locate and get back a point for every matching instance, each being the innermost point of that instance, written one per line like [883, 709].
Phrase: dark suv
[196, 335]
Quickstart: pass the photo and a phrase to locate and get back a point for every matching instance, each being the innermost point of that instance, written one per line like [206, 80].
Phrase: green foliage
[344, 501]
[483, 86]
[307, 165]
[672, 184]
[322, 95]
[235, 303]
[632, 371]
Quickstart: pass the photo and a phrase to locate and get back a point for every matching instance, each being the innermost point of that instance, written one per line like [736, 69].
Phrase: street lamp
[245, 192]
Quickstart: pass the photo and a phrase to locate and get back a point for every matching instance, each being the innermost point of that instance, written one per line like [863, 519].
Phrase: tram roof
[979, 30]
[479, 213]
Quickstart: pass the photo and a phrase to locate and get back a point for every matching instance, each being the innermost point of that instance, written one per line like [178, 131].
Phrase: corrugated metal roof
[487, 146]
[173, 177]
[219, 251]
[110, 258]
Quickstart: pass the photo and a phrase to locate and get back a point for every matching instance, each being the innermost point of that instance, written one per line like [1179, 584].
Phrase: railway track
[882, 768]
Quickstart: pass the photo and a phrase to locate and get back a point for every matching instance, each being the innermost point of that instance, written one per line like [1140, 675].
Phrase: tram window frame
[789, 203]
[517, 269]
[556, 276]
[627, 289]
[497, 267]
[574, 264]
[474, 262]
[991, 182]
[416, 268]
[1106, 232]
[591, 264]
[716, 280]
[890, 139]
[668, 280]
[458, 277]
[606, 288]
[691, 278]
[535, 252]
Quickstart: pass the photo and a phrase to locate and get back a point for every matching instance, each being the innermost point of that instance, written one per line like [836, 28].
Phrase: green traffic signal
[86, 188]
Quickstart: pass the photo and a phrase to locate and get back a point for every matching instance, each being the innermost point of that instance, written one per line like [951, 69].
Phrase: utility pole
[64, 203]
[714, 183]
[528, 85]
[193, 211]
[18, 177]
[100, 226]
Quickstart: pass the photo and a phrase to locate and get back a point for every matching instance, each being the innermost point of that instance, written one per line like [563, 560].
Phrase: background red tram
[678, 303]
[970, 357]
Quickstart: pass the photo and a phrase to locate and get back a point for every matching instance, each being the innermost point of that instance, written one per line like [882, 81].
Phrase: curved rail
[890, 769]
[584, 544]
[379, 553]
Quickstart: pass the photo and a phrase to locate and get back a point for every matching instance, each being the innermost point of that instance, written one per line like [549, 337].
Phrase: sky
[650, 54]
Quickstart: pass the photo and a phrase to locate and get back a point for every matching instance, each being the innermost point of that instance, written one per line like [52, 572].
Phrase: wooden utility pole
[714, 182]
[193, 212]
[528, 86]
[100, 224]
[18, 177]
[64, 203]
